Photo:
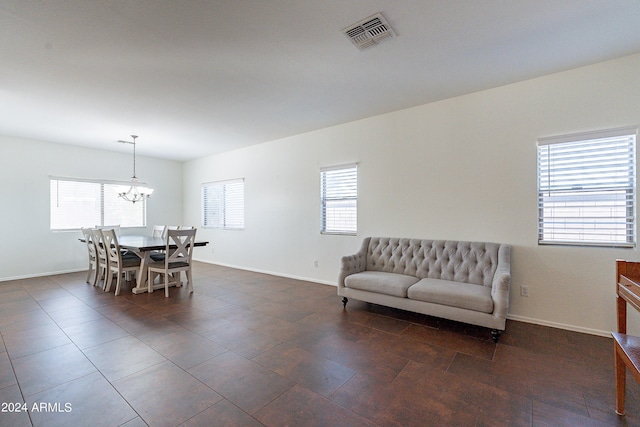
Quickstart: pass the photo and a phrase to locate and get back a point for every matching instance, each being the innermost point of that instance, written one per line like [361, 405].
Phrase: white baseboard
[559, 325]
[31, 276]
[271, 273]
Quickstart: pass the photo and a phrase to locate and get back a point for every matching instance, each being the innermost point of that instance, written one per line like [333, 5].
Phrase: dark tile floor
[249, 349]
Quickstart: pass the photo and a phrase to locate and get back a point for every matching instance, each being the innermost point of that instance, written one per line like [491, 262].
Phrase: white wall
[29, 248]
[460, 169]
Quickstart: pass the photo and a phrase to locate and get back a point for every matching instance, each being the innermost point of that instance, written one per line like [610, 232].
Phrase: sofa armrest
[352, 264]
[502, 283]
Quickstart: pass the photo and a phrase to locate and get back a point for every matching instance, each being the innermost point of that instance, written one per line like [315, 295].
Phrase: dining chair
[175, 227]
[119, 263]
[93, 255]
[175, 261]
[158, 231]
[183, 227]
[102, 257]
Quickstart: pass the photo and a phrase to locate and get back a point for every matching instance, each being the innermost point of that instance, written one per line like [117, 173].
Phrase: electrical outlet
[315, 263]
[524, 291]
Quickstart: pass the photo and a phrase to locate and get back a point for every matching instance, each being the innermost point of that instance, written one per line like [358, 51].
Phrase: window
[339, 200]
[223, 204]
[78, 203]
[586, 189]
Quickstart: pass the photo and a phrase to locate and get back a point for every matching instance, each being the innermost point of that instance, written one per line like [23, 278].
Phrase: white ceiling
[199, 77]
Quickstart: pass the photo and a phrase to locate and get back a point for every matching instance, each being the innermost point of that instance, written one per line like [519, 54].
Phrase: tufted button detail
[472, 262]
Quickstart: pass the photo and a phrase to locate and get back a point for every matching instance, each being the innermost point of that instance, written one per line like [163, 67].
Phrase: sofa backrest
[469, 262]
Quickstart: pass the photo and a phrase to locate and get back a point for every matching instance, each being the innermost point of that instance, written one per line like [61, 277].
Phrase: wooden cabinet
[626, 347]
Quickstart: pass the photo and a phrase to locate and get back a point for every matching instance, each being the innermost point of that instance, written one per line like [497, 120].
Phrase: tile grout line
[88, 360]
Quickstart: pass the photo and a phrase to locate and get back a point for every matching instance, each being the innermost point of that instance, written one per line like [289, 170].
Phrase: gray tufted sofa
[463, 281]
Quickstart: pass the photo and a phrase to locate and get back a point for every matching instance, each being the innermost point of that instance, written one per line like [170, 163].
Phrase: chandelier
[136, 192]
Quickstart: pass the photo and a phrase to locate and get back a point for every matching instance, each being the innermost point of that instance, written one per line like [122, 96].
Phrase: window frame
[103, 185]
[225, 223]
[585, 184]
[349, 198]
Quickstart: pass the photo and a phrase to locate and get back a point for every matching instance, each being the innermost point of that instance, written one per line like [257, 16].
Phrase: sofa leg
[345, 300]
[495, 334]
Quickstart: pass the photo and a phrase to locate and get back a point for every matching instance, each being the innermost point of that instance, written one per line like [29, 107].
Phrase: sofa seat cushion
[454, 294]
[381, 282]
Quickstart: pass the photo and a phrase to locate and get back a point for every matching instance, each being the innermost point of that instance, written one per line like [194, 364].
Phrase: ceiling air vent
[369, 32]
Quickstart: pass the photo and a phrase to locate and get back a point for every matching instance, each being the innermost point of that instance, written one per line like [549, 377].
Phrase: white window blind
[339, 200]
[586, 189]
[77, 203]
[223, 204]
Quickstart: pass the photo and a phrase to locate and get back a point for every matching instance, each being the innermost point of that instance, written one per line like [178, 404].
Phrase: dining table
[143, 246]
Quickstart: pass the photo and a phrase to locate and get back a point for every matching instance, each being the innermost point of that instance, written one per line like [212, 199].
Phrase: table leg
[141, 283]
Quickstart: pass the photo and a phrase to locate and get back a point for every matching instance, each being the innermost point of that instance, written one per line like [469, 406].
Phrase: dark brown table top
[147, 243]
[142, 243]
